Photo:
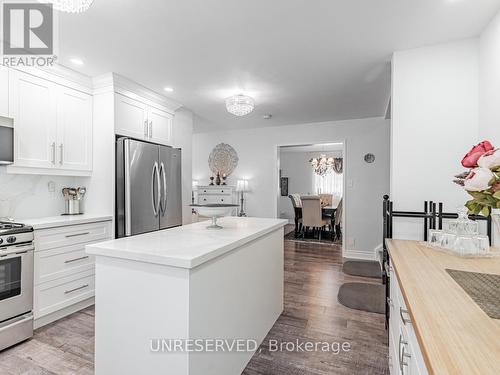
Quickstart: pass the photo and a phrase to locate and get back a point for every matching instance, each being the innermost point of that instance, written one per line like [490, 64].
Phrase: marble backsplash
[28, 196]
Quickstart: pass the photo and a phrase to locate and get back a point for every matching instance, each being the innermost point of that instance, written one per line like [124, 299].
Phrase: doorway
[297, 177]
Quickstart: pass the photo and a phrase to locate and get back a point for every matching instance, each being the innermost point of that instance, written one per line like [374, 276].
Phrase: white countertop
[63, 220]
[190, 245]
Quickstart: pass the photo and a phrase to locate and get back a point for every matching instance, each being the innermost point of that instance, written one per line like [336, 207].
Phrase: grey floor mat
[363, 296]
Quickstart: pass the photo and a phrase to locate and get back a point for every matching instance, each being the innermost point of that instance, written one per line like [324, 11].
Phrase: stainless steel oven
[16, 288]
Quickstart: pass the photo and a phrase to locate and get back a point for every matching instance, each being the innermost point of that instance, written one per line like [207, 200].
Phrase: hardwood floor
[313, 274]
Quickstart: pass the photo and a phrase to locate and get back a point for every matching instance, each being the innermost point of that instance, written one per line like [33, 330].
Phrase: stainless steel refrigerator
[148, 187]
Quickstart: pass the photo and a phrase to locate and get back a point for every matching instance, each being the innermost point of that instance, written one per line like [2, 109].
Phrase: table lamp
[242, 188]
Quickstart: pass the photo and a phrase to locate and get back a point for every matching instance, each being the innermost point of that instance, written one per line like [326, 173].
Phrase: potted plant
[482, 181]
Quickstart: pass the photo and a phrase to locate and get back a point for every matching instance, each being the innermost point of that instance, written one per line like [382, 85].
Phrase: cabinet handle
[151, 129]
[403, 319]
[76, 289]
[146, 134]
[61, 150]
[53, 147]
[76, 259]
[77, 234]
[402, 362]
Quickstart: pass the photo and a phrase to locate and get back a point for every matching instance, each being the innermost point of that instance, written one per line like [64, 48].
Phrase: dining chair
[338, 220]
[312, 216]
[297, 208]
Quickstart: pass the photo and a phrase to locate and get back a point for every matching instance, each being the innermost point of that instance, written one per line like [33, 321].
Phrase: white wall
[489, 83]
[489, 88]
[183, 138]
[258, 153]
[296, 166]
[28, 196]
[434, 123]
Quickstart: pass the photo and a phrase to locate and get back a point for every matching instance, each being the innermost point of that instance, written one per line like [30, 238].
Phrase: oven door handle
[15, 252]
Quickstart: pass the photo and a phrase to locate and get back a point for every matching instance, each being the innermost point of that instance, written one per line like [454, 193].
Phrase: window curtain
[331, 183]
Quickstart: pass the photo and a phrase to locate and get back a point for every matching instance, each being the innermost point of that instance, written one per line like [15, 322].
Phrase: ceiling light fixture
[69, 6]
[240, 105]
[322, 165]
[168, 89]
[76, 61]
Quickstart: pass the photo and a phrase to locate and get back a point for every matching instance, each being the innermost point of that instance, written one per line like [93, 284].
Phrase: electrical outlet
[51, 186]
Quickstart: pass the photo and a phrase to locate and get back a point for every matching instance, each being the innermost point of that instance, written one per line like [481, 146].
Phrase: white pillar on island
[187, 283]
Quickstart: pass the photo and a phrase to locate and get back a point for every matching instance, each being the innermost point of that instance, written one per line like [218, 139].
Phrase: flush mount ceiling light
[240, 105]
[76, 61]
[168, 89]
[69, 6]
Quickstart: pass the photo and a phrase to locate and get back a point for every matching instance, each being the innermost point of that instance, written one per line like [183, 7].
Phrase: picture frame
[284, 186]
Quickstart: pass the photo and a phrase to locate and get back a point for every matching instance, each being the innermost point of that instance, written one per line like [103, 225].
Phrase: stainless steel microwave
[6, 144]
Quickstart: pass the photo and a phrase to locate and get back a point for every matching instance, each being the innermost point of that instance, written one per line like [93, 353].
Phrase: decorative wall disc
[369, 158]
[223, 159]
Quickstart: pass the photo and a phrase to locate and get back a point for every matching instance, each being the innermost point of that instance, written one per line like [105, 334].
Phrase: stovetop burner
[8, 225]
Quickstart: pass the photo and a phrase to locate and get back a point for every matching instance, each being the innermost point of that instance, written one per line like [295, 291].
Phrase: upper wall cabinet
[131, 117]
[52, 126]
[4, 91]
[138, 112]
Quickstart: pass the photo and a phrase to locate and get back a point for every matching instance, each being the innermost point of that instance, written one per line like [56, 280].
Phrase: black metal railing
[432, 218]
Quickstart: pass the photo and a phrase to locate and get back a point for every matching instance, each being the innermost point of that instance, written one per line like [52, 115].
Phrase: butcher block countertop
[454, 334]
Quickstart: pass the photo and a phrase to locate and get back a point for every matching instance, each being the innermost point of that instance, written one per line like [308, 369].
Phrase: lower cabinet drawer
[58, 294]
[61, 262]
[212, 199]
[71, 235]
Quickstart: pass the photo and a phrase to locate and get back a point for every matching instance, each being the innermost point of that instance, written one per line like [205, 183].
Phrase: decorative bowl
[214, 211]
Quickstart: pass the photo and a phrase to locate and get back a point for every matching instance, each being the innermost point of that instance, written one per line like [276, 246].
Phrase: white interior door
[4, 91]
[131, 117]
[160, 126]
[33, 107]
[74, 130]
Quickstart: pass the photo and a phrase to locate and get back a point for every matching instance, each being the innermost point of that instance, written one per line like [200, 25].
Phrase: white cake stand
[214, 211]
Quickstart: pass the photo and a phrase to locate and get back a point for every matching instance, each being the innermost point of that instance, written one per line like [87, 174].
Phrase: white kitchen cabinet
[4, 91]
[160, 126]
[136, 119]
[33, 104]
[64, 273]
[131, 117]
[74, 130]
[405, 356]
[52, 126]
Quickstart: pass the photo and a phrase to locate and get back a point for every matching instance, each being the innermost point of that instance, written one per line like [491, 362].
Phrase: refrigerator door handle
[155, 178]
[163, 205]
[158, 190]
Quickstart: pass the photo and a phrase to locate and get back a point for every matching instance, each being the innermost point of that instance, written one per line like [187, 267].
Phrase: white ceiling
[302, 60]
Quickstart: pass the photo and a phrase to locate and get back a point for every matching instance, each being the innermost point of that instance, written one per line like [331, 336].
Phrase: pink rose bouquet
[482, 180]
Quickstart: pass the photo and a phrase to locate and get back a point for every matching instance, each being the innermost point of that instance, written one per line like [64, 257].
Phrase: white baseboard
[47, 319]
[362, 255]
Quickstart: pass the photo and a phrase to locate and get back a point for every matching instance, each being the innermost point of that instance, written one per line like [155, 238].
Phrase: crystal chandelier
[69, 6]
[322, 165]
[239, 105]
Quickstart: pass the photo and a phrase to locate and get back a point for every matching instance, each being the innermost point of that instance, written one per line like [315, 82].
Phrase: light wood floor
[313, 274]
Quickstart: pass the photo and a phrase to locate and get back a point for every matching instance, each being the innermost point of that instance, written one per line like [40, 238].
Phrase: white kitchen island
[187, 283]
